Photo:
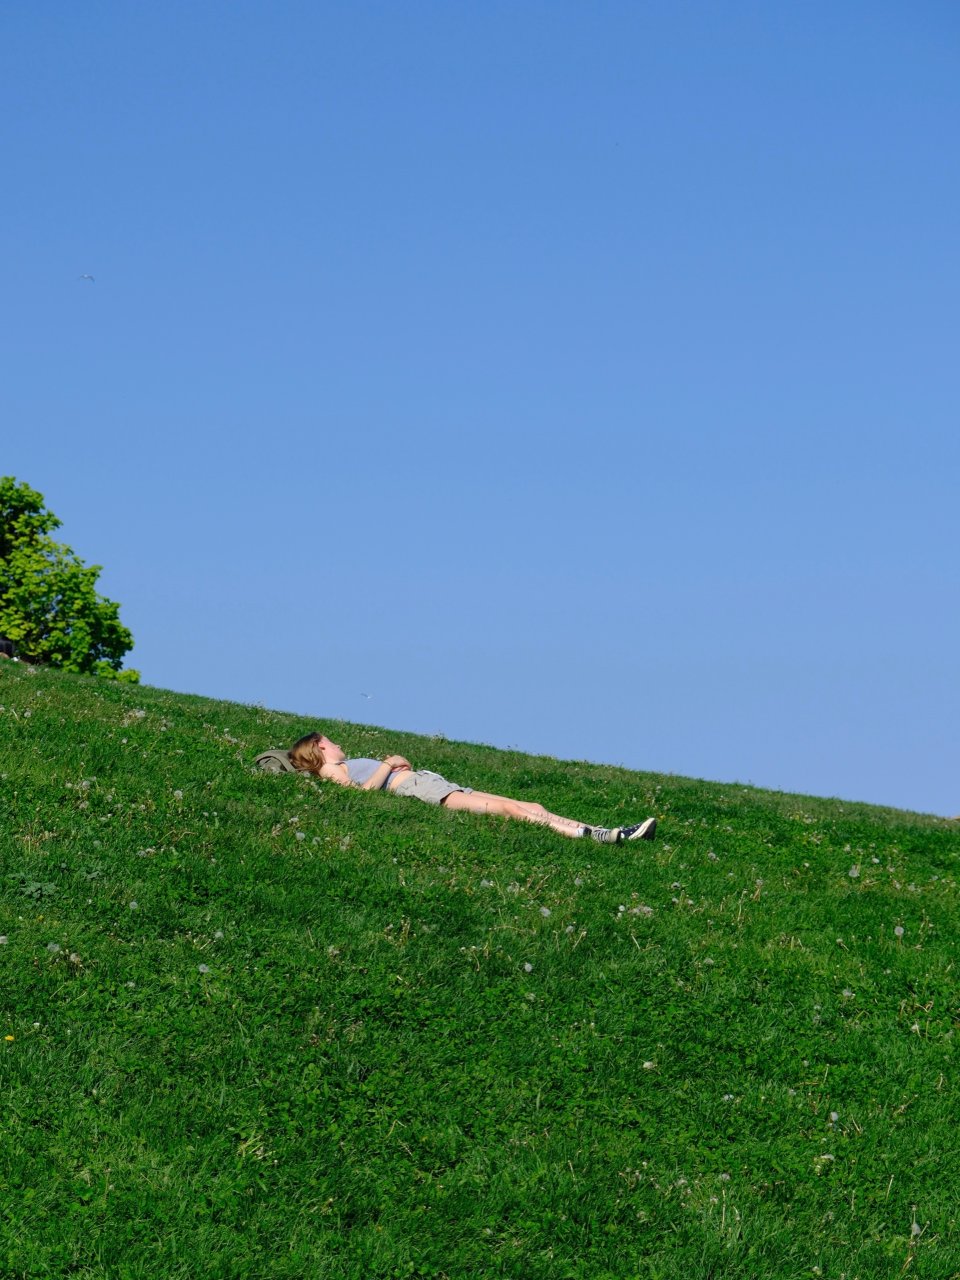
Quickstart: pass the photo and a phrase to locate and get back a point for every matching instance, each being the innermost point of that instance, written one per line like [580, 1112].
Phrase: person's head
[313, 751]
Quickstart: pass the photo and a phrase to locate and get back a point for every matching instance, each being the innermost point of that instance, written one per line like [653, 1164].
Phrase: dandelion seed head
[527, 967]
[545, 912]
[854, 872]
[203, 968]
[53, 947]
[898, 930]
[834, 1117]
[915, 1229]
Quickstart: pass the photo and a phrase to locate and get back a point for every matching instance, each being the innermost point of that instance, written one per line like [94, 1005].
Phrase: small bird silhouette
[90, 278]
[366, 695]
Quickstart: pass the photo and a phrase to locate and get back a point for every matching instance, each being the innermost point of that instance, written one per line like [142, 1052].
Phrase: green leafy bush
[49, 605]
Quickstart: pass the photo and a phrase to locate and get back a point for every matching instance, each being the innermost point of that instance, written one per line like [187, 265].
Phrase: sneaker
[604, 835]
[645, 830]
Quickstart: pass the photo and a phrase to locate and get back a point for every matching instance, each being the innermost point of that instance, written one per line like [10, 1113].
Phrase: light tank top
[362, 770]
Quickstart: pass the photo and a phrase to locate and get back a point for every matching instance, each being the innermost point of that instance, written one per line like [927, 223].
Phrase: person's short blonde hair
[302, 756]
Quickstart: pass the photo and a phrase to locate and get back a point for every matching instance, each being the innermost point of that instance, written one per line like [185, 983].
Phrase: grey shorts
[426, 785]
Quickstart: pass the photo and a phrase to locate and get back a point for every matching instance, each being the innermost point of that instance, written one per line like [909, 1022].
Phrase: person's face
[328, 752]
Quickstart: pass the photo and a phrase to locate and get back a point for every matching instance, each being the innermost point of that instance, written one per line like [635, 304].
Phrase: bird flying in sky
[90, 278]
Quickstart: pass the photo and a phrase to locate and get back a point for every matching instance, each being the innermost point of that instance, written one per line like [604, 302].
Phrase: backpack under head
[275, 762]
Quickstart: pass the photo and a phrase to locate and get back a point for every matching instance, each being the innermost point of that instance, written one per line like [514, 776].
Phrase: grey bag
[275, 762]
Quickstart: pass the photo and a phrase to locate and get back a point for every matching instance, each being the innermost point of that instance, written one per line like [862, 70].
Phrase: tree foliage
[49, 606]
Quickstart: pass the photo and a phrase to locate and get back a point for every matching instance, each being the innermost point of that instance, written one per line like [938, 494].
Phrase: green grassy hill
[257, 1026]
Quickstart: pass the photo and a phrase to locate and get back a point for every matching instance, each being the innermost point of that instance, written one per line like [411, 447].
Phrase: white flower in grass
[203, 968]
[724, 1177]
[854, 872]
[727, 1097]
[545, 912]
[218, 935]
[834, 1117]
[898, 930]
[916, 1229]
[301, 835]
[178, 795]
[848, 993]
[134, 906]
[527, 967]
[486, 884]
[649, 1066]
[578, 881]
[53, 947]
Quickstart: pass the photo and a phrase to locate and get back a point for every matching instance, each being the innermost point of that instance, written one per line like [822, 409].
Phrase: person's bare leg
[504, 807]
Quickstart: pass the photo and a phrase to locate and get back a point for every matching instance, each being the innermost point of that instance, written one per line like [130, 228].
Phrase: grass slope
[253, 1026]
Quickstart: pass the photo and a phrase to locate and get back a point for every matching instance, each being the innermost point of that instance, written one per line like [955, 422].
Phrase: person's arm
[338, 773]
[335, 773]
[382, 772]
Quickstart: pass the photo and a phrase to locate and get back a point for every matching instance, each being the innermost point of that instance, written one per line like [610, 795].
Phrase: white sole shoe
[645, 830]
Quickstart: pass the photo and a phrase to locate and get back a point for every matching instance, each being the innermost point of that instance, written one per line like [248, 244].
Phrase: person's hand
[397, 762]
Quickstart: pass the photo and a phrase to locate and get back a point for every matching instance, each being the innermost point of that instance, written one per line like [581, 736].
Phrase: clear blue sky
[580, 377]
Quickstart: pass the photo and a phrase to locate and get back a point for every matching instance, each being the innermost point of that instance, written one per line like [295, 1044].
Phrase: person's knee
[517, 809]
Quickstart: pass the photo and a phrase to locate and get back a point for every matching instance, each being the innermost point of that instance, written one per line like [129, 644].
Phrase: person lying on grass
[318, 755]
